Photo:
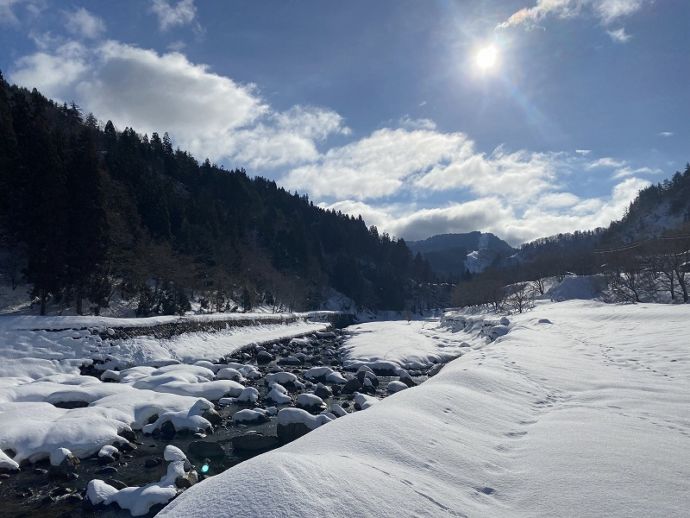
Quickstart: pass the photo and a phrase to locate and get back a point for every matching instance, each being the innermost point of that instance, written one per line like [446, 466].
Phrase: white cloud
[52, 73]
[520, 175]
[208, 114]
[84, 23]
[413, 124]
[286, 138]
[607, 11]
[169, 15]
[611, 10]
[392, 159]
[583, 152]
[377, 165]
[558, 200]
[531, 16]
[626, 171]
[606, 161]
[554, 213]
[666, 134]
[619, 35]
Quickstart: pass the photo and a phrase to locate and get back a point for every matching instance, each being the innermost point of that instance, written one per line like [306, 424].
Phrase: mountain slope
[656, 210]
[453, 254]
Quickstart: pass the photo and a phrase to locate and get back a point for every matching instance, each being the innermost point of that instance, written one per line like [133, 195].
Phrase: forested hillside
[645, 255]
[86, 210]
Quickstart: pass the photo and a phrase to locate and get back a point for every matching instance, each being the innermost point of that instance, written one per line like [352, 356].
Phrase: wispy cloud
[625, 172]
[171, 15]
[606, 11]
[9, 8]
[619, 35]
[81, 22]
[666, 134]
[606, 161]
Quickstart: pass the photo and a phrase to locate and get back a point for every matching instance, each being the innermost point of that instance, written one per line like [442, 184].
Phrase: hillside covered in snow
[580, 409]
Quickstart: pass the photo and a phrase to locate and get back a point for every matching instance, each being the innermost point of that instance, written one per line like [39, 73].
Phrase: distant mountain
[453, 254]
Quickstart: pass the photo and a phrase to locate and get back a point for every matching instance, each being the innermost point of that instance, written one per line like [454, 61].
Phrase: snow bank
[190, 347]
[577, 287]
[412, 345]
[585, 416]
[35, 322]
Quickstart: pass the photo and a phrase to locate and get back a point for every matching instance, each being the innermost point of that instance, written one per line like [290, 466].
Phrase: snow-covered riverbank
[43, 395]
[580, 410]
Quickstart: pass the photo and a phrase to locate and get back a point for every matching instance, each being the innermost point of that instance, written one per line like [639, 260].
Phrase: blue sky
[381, 108]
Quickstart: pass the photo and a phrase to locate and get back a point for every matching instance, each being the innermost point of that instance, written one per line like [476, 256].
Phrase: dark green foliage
[93, 206]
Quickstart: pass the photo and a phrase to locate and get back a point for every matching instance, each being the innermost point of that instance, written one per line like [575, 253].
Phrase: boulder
[396, 386]
[323, 391]
[352, 386]
[249, 416]
[406, 378]
[263, 357]
[310, 402]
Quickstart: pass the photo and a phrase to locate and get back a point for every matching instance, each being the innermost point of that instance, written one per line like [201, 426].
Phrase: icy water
[34, 493]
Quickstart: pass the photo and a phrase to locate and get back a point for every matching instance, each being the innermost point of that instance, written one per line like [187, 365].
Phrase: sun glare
[486, 58]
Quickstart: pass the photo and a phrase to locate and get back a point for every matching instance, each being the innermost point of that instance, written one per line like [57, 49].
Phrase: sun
[486, 58]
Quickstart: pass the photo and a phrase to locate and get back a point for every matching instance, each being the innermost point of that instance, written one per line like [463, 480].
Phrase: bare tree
[520, 297]
[628, 278]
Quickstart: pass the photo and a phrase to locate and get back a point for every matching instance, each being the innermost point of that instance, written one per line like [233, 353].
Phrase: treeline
[86, 210]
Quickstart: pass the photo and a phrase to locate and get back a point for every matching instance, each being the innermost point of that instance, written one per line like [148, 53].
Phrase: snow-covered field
[581, 409]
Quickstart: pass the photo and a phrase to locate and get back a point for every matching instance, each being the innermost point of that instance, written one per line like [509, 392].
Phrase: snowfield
[581, 409]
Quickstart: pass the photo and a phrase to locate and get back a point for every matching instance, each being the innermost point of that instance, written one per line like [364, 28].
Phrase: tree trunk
[683, 285]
